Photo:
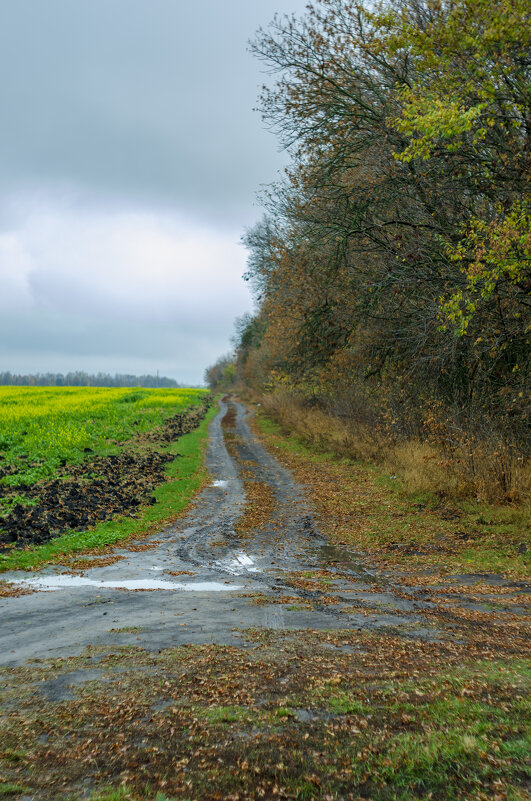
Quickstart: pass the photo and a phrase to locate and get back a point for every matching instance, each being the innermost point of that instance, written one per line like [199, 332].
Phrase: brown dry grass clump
[258, 510]
[8, 590]
[437, 464]
[360, 505]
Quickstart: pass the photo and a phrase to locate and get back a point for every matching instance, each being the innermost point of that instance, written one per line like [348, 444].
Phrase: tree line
[82, 379]
[391, 268]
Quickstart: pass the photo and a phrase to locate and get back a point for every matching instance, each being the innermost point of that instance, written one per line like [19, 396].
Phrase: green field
[56, 450]
[41, 428]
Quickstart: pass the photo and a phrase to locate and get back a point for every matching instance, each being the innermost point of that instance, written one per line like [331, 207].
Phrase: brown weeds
[359, 506]
[444, 462]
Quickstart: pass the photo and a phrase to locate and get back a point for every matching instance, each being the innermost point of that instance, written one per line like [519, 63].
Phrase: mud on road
[238, 655]
[248, 555]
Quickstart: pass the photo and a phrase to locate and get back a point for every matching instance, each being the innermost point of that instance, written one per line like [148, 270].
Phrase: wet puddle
[238, 564]
[65, 582]
[220, 483]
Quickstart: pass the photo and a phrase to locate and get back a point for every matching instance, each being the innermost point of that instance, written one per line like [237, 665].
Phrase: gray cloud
[127, 284]
[139, 99]
[129, 161]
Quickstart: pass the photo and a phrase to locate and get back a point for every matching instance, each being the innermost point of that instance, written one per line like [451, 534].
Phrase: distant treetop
[81, 379]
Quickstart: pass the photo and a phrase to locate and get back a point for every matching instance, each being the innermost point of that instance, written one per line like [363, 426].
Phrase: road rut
[232, 563]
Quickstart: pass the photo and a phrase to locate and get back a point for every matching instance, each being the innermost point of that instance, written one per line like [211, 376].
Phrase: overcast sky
[129, 161]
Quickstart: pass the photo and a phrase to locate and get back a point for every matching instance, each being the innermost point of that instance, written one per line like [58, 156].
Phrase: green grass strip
[186, 475]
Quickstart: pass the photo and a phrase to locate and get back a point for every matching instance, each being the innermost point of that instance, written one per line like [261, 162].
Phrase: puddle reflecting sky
[64, 582]
[238, 564]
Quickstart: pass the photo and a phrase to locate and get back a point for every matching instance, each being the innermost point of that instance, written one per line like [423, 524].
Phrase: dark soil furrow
[95, 490]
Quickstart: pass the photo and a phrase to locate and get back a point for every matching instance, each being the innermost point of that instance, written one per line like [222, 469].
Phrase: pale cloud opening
[122, 286]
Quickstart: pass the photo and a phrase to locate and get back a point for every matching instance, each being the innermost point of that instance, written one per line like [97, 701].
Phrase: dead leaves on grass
[216, 722]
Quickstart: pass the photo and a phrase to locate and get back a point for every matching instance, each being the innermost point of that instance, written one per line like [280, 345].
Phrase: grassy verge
[185, 476]
[293, 716]
[364, 507]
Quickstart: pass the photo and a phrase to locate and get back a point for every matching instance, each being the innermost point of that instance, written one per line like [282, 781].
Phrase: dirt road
[239, 556]
[238, 655]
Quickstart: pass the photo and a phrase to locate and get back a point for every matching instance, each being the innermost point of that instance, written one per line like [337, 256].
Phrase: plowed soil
[97, 489]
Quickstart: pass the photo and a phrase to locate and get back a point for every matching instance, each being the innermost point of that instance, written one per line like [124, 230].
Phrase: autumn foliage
[392, 265]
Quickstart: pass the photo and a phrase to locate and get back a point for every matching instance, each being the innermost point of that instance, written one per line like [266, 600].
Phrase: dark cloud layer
[148, 100]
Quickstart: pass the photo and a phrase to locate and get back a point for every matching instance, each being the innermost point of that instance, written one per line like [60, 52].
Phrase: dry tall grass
[456, 469]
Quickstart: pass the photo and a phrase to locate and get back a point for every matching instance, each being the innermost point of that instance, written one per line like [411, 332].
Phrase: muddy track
[241, 558]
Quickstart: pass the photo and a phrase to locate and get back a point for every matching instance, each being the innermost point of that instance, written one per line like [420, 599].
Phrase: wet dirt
[229, 579]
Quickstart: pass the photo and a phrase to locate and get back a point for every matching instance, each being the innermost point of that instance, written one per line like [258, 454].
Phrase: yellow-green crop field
[44, 428]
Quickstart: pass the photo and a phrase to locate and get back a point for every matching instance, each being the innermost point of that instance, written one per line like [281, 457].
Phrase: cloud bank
[129, 161]
[115, 289]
